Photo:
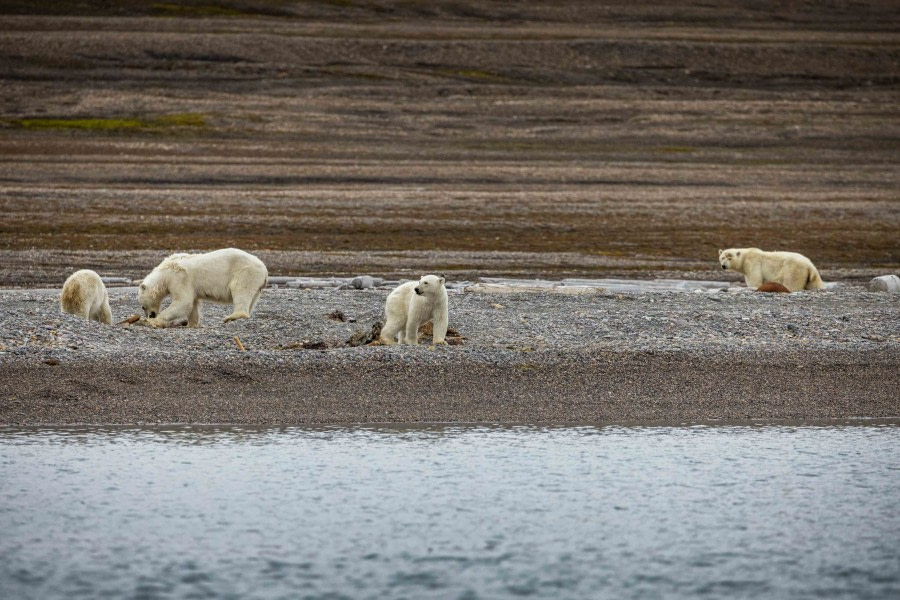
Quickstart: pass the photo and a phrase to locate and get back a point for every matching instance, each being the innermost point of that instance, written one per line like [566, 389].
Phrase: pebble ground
[524, 356]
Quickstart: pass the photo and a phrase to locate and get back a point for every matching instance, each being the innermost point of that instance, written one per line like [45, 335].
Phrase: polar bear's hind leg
[237, 314]
[242, 302]
[792, 279]
[255, 299]
[105, 313]
[244, 295]
[390, 330]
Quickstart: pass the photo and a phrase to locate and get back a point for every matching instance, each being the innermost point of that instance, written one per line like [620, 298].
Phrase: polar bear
[84, 294]
[228, 276]
[413, 304]
[793, 271]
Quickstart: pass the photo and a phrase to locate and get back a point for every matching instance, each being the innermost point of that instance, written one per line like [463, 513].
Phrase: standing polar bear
[84, 294]
[228, 276]
[413, 304]
[793, 271]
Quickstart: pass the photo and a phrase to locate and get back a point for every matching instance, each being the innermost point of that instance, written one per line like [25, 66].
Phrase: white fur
[413, 304]
[228, 276]
[84, 295]
[793, 271]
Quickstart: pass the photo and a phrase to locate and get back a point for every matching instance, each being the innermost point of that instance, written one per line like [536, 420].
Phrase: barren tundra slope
[470, 137]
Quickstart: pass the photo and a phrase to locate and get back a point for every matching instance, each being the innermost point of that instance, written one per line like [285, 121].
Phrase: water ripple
[451, 511]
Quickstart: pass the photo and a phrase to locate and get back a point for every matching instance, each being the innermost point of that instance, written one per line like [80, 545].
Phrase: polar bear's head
[731, 258]
[151, 294]
[428, 285]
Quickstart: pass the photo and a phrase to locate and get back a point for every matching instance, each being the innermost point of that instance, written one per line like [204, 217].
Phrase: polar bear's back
[82, 291]
[227, 260]
[219, 265]
[403, 290]
[214, 276]
[780, 256]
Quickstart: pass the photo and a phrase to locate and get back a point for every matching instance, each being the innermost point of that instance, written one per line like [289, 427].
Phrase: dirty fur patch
[72, 296]
[172, 263]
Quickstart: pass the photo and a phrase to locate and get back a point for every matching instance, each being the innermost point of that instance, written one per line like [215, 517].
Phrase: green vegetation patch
[192, 120]
[92, 124]
[180, 120]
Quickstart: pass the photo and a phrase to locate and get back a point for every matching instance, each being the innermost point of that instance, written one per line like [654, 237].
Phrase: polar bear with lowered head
[228, 276]
[793, 271]
[84, 294]
[413, 304]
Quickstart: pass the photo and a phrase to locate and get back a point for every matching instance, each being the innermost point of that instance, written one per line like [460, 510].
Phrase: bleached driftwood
[499, 285]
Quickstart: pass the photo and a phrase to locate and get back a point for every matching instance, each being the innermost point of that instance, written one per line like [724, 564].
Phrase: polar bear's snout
[418, 291]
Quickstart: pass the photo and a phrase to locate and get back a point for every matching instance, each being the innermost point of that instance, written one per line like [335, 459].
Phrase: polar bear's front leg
[411, 336]
[106, 313]
[177, 311]
[754, 278]
[439, 320]
[194, 318]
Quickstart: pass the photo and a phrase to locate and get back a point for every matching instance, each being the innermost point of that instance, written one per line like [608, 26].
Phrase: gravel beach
[540, 356]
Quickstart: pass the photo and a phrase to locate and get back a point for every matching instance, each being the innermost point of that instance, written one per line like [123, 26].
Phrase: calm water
[451, 512]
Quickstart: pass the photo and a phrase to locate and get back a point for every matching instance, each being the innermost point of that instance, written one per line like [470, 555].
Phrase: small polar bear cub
[793, 271]
[228, 276]
[413, 304]
[84, 295]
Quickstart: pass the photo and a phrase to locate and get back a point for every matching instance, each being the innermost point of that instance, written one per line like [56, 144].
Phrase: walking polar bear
[413, 304]
[84, 294]
[228, 276]
[793, 271]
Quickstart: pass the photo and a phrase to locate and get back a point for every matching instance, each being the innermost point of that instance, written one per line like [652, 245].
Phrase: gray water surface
[771, 511]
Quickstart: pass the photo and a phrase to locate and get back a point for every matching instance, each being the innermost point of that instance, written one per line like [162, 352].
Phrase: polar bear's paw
[238, 314]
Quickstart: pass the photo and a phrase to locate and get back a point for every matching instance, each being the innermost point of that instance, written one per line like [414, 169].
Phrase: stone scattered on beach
[364, 282]
[885, 283]
[501, 285]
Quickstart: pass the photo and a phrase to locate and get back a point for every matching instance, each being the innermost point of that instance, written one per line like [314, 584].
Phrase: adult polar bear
[413, 304]
[228, 276]
[84, 294]
[793, 271]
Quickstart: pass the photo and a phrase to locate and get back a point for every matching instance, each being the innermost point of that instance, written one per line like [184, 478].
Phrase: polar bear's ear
[720, 252]
[442, 279]
[143, 286]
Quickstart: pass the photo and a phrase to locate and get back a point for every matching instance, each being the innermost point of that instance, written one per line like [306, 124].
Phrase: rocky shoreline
[537, 356]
